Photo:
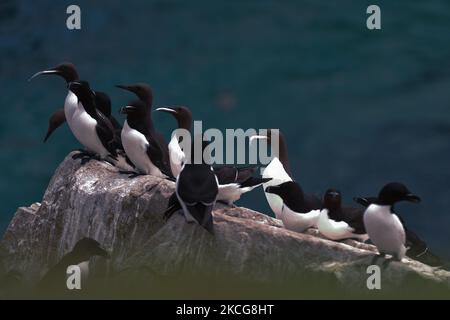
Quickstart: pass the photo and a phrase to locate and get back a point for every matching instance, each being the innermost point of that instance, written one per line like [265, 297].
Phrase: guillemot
[145, 94]
[233, 181]
[139, 141]
[68, 72]
[91, 127]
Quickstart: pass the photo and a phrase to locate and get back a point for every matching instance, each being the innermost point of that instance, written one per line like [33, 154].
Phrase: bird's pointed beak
[45, 72]
[258, 138]
[412, 198]
[127, 109]
[168, 110]
[124, 87]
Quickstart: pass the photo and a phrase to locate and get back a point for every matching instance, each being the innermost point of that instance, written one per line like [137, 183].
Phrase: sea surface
[359, 108]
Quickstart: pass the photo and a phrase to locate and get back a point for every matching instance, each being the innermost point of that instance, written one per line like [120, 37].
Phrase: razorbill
[69, 73]
[54, 281]
[383, 226]
[337, 222]
[279, 170]
[417, 248]
[297, 212]
[88, 124]
[196, 189]
[139, 142]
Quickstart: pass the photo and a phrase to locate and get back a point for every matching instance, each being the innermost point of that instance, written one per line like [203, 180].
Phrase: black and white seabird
[279, 170]
[68, 71]
[88, 124]
[197, 189]
[177, 156]
[139, 141]
[145, 94]
[233, 181]
[337, 222]
[383, 226]
[54, 281]
[298, 212]
[417, 248]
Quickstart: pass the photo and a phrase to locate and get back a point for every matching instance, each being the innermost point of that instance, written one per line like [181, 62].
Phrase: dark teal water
[359, 108]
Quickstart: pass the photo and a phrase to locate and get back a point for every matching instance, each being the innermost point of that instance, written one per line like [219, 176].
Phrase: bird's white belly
[385, 231]
[336, 230]
[299, 222]
[135, 145]
[275, 170]
[83, 127]
[70, 105]
[176, 155]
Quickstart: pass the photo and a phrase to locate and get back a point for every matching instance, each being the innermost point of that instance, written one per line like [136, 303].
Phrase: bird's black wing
[156, 156]
[355, 218]
[105, 131]
[253, 181]
[365, 201]
[225, 174]
[312, 202]
[55, 121]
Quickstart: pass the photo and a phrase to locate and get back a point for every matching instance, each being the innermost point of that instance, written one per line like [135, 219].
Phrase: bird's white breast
[299, 222]
[385, 230]
[83, 126]
[334, 230]
[135, 145]
[275, 170]
[177, 156]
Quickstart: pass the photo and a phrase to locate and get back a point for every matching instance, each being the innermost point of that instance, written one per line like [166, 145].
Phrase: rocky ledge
[249, 256]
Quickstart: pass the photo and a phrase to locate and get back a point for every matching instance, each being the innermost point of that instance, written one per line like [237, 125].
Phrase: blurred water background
[359, 108]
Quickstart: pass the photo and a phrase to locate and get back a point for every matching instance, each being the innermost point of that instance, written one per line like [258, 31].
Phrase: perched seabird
[279, 170]
[69, 73]
[54, 281]
[233, 181]
[417, 248]
[91, 127]
[139, 141]
[297, 212]
[337, 222]
[384, 228]
[145, 94]
[177, 156]
[196, 189]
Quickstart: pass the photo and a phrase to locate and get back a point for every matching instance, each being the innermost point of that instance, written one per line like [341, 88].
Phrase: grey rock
[250, 254]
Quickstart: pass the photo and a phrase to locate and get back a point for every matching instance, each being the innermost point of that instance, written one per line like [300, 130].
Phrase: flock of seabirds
[137, 148]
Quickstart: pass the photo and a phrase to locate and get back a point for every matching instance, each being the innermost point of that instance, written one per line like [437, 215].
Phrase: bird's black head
[287, 191]
[395, 192]
[82, 90]
[142, 90]
[66, 70]
[86, 248]
[182, 114]
[135, 110]
[332, 200]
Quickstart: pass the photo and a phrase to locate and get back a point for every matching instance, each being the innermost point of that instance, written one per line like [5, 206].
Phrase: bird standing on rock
[384, 228]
